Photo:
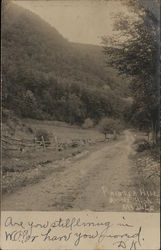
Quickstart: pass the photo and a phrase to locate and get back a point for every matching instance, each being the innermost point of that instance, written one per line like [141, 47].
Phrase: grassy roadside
[34, 167]
[22, 168]
[147, 174]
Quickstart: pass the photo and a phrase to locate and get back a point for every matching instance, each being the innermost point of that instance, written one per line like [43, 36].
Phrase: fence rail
[25, 144]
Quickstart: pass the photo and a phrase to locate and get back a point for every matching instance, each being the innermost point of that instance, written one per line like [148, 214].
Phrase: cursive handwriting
[122, 235]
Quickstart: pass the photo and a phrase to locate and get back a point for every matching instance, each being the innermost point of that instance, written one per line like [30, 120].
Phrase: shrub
[143, 146]
[110, 126]
[106, 126]
[88, 123]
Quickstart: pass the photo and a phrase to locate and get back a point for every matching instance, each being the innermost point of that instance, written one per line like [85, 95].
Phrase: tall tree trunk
[154, 129]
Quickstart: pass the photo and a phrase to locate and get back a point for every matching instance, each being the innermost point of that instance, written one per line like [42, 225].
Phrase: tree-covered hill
[46, 76]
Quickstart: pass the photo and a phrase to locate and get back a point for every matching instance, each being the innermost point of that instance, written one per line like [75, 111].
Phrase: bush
[143, 146]
[106, 126]
[110, 126]
[88, 123]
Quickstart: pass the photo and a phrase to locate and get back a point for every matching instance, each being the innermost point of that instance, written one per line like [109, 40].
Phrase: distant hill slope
[44, 75]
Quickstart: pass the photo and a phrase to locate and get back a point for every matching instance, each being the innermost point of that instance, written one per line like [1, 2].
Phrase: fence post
[21, 146]
[35, 143]
[44, 147]
[56, 142]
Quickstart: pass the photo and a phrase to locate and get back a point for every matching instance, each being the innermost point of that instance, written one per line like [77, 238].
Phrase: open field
[27, 128]
[63, 130]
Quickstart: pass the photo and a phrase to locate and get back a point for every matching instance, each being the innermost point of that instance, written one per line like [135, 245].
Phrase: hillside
[46, 76]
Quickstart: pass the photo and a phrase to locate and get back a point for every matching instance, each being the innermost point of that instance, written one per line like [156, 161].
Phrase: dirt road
[90, 182]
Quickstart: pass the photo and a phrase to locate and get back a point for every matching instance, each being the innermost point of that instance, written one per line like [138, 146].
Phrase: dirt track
[86, 183]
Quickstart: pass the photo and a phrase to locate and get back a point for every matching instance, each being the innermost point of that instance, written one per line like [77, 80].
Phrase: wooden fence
[15, 144]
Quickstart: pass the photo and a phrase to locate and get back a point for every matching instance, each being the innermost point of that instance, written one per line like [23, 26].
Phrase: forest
[47, 77]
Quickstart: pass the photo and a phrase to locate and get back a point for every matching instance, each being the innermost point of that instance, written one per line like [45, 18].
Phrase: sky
[83, 21]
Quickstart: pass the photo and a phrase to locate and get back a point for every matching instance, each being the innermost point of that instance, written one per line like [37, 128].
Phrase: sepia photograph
[81, 105]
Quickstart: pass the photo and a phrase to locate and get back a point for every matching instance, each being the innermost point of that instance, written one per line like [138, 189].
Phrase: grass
[22, 168]
[62, 130]
[148, 171]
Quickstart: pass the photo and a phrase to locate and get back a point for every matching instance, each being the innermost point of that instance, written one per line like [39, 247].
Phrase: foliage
[136, 55]
[143, 146]
[46, 77]
[110, 126]
[88, 123]
[106, 126]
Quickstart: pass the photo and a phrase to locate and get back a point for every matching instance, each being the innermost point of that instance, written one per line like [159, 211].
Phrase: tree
[107, 126]
[136, 55]
[53, 79]
[28, 105]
